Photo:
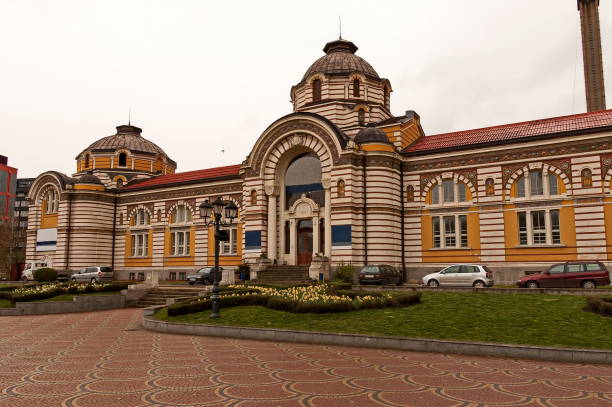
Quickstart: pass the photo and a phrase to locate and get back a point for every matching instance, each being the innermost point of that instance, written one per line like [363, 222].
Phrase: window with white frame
[539, 227]
[51, 201]
[449, 192]
[180, 243]
[182, 214]
[141, 218]
[536, 183]
[450, 231]
[230, 247]
[140, 244]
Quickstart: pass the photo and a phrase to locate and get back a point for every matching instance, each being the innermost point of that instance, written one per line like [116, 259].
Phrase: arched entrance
[304, 242]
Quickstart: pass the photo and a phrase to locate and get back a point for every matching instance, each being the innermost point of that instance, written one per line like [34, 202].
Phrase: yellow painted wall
[608, 222]
[174, 261]
[137, 261]
[471, 254]
[550, 254]
[48, 221]
[227, 261]
[377, 147]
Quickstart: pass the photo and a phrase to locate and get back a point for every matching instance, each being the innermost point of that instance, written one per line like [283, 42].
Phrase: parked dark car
[585, 274]
[381, 274]
[204, 275]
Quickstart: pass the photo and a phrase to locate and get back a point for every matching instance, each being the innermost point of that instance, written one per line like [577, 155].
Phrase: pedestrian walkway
[104, 359]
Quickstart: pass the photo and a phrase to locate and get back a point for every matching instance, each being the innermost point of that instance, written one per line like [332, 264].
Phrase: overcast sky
[206, 76]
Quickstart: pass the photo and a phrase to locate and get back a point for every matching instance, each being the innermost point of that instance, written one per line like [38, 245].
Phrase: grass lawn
[6, 304]
[529, 319]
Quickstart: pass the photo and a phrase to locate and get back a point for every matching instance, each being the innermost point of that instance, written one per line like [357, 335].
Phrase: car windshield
[370, 270]
[106, 269]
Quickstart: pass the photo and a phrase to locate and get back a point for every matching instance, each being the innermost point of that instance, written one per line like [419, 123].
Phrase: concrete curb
[487, 290]
[382, 342]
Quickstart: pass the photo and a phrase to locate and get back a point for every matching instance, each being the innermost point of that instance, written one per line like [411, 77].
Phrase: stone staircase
[283, 275]
[158, 296]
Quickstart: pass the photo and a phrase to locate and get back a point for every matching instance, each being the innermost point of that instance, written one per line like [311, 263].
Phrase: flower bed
[44, 291]
[318, 299]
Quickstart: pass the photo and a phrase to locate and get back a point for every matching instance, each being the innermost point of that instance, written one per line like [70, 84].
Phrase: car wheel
[532, 284]
[73, 280]
[433, 283]
[191, 283]
[479, 284]
[588, 285]
[93, 280]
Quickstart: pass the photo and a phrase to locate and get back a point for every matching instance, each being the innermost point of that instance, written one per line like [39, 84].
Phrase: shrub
[600, 305]
[44, 291]
[205, 303]
[345, 274]
[45, 274]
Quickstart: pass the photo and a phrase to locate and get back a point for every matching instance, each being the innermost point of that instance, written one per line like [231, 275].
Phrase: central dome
[340, 59]
[127, 137]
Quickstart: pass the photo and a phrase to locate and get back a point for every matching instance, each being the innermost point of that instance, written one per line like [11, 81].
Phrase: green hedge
[284, 304]
[600, 305]
[345, 273]
[45, 274]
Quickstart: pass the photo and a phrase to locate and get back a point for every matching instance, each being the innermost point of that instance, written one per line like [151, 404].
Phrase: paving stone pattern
[104, 359]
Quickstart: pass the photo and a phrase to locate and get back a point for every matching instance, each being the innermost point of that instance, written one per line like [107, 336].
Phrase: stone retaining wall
[490, 290]
[80, 303]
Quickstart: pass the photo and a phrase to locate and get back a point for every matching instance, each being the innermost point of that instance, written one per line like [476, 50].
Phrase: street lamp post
[214, 211]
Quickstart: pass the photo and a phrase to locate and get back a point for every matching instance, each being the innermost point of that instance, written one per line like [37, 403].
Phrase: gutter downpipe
[402, 225]
[365, 211]
[114, 229]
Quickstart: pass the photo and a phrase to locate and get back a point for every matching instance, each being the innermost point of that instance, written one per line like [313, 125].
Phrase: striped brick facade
[516, 197]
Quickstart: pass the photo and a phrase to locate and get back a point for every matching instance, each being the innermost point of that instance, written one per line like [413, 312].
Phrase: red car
[585, 274]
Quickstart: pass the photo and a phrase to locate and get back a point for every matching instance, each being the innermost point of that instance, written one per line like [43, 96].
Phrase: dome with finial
[340, 59]
[128, 137]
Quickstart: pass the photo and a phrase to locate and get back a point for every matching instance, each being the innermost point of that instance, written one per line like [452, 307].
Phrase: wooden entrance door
[304, 242]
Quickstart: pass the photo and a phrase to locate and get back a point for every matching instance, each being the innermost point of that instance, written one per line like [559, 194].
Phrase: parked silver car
[93, 275]
[469, 275]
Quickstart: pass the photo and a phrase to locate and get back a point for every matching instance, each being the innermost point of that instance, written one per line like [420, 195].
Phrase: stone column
[327, 214]
[316, 240]
[271, 192]
[293, 242]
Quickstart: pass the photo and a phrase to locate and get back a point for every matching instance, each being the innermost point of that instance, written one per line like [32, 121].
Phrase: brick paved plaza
[105, 359]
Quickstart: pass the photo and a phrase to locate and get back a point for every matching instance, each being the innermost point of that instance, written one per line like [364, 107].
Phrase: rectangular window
[463, 230]
[449, 190]
[180, 243]
[520, 187]
[230, 247]
[553, 187]
[172, 275]
[450, 239]
[555, 226]
[435, 194]
[538, 227]
[436, 231]
[182, 275]
[522, 220]
[141, 276]
[535, 181]
[132, 276]
[140, 244]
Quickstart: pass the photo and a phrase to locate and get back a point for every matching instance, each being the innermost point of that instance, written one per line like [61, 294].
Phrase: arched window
[141, 218]
[159, 215]
[341, 189]
[361, 117]
[121, 218]
[449, 192]
[86, 162]
[490, 187]
[181, 214]
[253, 197]
[316, 90]
[122, 159]
[304, 176]
[356, 86]
[536, 184]
[586, 177]
[50, 202]
[410, 193]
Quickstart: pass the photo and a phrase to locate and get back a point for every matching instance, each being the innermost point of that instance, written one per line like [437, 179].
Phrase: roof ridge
[535, 121]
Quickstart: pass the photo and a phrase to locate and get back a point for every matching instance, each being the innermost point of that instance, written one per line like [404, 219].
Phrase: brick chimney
[592, 55]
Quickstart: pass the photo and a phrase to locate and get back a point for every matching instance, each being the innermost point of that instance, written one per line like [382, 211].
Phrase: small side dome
[89, 179]
[371, 135]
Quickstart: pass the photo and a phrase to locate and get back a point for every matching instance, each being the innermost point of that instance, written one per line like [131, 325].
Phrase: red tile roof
[508, 133]
[209, 174]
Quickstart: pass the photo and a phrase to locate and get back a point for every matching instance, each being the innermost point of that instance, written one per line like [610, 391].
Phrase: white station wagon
[468, 275]
[93, 275]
